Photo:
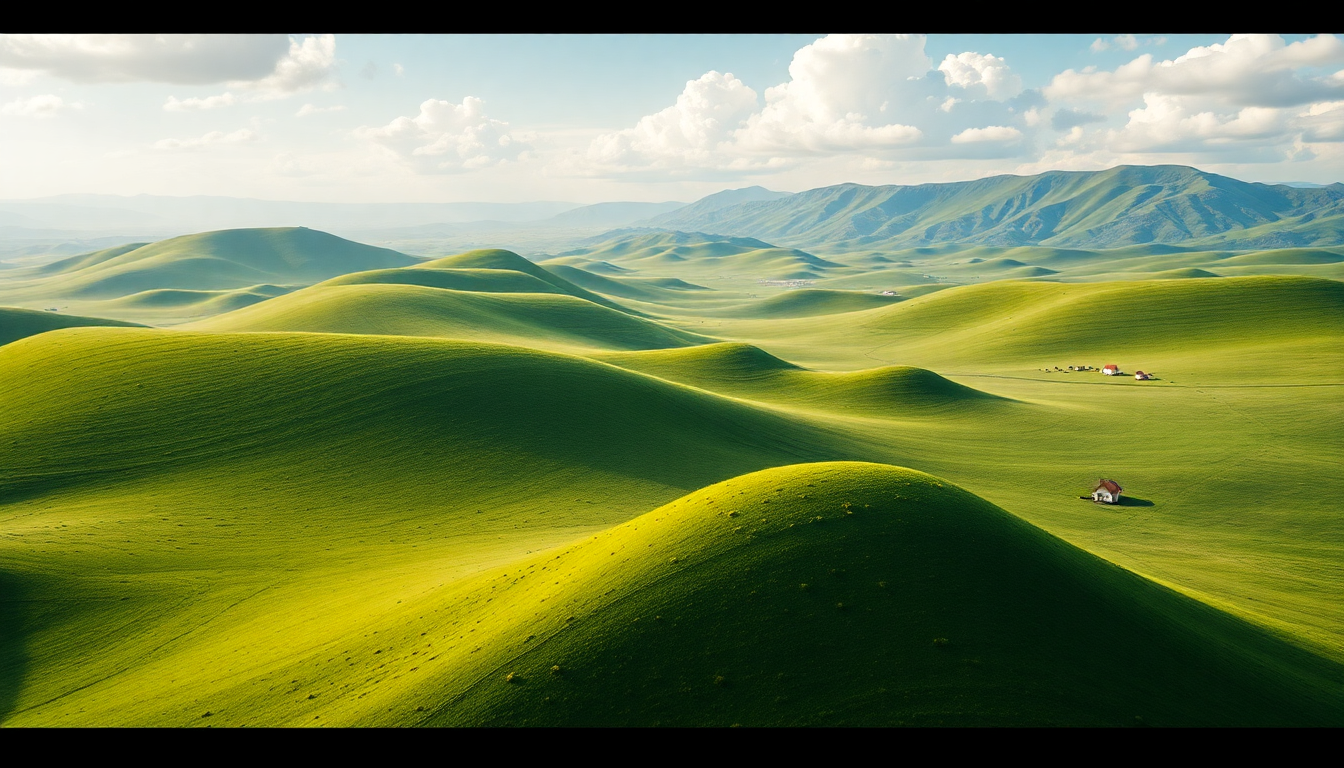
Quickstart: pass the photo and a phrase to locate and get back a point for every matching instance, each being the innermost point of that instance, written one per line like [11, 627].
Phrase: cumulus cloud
[1169, 123]
[999, 133]
[196, 104]
[1247, 70]
[448, 138]
[40, 107]
[1323, 122]
[1251, 98]
[1124, 43]
[12, 77]
[867, 95]
[272, 63]
[308, 64]
[845, 93]
[210, 139]
[971, 70]
[310, 109]
[690, 132]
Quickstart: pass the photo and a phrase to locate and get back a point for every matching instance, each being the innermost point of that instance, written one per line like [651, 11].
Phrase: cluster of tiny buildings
[1109, 370]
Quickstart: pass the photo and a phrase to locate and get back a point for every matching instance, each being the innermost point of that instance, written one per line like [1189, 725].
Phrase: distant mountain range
[1126, 205]
[1121, 206]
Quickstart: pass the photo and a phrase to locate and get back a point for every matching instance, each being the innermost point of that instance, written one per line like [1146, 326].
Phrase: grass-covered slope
[855, 594]
[743, 370]
[533, 319]
[226, 259]
[495, 258]
[1004, 322]
[809, 302]
[699, 253]
[189, 517]
[652, 289]
[19, 323]
[479, 280]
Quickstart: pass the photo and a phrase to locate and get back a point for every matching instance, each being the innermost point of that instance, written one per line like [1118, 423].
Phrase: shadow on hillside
[1130, 501]
[13, 633]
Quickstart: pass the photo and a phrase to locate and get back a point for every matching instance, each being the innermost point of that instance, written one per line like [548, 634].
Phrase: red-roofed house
[1107, 491]
[1111, 370]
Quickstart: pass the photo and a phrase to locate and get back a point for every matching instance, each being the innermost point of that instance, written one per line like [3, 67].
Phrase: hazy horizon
[647, 118]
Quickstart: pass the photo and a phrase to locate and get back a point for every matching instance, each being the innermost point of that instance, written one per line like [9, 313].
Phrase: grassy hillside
[16, 323]
[221, 270]
[233, 258]
[480, 280]
[809, 302]
[371, 500]
[1187, 322]
[857, 594]
[538, 319]
[743, 370]
[188, 517]
[500, 259]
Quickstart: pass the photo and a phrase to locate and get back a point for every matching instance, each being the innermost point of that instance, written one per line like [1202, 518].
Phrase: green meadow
[277, 478]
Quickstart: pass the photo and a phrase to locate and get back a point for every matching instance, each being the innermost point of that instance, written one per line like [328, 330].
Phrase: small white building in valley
[1107, 491]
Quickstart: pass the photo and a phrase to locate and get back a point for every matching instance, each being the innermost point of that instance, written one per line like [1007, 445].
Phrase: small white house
[1111, 370]
[1107, 492]
[1141, 376]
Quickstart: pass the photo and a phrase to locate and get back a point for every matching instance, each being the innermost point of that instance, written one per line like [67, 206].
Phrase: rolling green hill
[227, 259]
[1192, 324]
[856, 594]
[679, 490]
[479, 280]
[665, 289]
[499, 259]
[188, 516]
[16, 323]
[546, 320]
[695, 252]
[809, 302]
[746, 371]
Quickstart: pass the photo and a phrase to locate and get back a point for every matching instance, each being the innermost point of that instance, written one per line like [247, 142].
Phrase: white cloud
[210, 139]
[1323, 122]
[1171, 123]
[448, 138]
[690, 132]
[273, 64]
[310, 63]
[1247, 70]
[310, 109]
[1251, 98]
[845, 93]
[196, 104]
[19, 77]
[968, 70]
[1003, 133]
[398, 70]
[877, 96]
[286, 164]
[1124, 43]
[40, 107]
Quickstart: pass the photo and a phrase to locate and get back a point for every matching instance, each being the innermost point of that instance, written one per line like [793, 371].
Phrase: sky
[594, 118]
